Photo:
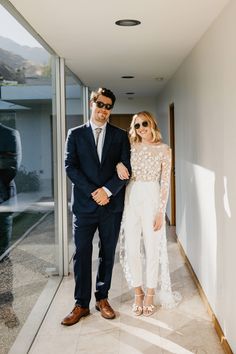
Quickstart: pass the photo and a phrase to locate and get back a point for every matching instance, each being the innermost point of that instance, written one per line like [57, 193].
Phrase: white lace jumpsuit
[146, 195]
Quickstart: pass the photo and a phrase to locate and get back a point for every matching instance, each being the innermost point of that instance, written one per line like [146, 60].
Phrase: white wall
[204, 94]
[126, 106]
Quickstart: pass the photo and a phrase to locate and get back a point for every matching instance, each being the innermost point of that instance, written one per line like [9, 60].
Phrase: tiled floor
[183, 330]
[23, 275]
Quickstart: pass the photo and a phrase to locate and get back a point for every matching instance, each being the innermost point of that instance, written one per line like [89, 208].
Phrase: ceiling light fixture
[127, 23]
[127, 77]
[159, 78]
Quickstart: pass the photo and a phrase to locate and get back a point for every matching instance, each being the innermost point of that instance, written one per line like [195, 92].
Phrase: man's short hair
[104, 92]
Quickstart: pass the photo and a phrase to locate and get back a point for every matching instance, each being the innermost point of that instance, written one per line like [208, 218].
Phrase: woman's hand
[158, 222]
[122, 171]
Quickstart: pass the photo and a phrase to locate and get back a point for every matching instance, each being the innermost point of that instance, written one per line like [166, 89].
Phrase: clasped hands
[100, 196]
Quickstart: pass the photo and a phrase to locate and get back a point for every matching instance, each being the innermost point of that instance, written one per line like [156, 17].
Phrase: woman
[144, 215]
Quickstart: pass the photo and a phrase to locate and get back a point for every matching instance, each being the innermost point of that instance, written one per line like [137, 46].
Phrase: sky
[10, 28]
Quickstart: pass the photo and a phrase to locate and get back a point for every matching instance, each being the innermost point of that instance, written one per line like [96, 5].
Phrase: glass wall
[28, 241]
[74, 117]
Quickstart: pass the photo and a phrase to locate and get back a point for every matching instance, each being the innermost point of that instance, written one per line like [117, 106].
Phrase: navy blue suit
[87, 174]
[10, 158]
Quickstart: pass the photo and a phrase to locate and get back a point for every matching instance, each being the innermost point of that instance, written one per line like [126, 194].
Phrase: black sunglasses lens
[107, 106]
[144, 124]
[100, 104]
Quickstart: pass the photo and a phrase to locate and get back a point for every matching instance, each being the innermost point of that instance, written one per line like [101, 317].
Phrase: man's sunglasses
[144, 124]
[107, 106]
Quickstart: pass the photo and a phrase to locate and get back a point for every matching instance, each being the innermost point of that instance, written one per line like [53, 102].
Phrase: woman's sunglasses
[144, 124]
[107, 106]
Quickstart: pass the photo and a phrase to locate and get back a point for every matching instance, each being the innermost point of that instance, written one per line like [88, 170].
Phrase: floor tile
[186, 329]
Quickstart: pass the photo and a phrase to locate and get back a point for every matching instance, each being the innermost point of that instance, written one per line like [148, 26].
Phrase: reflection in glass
[74, 117]
[10, 159]
[27, 232]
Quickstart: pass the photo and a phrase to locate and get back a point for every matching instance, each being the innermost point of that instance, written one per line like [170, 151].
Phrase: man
[92, 152]
[10, 159]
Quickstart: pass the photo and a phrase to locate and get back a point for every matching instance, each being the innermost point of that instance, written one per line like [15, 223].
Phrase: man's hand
[100, 196]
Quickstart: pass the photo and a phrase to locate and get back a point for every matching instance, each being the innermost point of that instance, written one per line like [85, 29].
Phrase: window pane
[74, 117]
[27, 231]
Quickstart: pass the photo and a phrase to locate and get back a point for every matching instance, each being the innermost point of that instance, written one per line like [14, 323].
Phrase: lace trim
[165, 296]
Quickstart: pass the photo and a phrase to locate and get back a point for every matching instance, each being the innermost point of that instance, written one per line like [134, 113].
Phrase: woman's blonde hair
[156, 134]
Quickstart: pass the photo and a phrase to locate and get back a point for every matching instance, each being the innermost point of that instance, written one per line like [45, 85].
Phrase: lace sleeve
[165, 179]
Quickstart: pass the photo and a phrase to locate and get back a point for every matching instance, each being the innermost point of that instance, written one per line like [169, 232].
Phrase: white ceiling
[99, 52]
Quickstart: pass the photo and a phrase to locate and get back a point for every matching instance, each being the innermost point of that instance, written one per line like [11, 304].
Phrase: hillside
[13, 67]
[35, 55]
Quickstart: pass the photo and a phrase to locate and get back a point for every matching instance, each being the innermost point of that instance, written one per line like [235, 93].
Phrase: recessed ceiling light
[159, 78]
[127, 22]
[127, 77]
[129, 93]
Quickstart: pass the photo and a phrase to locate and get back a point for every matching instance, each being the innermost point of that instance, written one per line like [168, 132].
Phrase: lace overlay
[152, 163]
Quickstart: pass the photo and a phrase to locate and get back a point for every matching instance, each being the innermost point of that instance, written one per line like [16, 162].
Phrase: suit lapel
[90, 138]
[107, 142]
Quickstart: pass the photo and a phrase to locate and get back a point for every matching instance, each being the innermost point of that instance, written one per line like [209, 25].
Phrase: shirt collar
[94, 126]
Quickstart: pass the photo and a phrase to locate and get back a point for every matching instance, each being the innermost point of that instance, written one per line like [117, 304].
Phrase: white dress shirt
[100, 145]
[101, 137]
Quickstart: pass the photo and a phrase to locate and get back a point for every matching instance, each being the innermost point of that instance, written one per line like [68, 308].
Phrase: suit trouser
[141, 206]
[84, 227]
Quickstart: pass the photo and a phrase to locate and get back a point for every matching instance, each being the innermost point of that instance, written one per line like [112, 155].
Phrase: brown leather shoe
[75, 315]
[106, 310]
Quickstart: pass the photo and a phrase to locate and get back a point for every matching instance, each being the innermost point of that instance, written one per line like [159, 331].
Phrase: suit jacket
[10, 158]
[87, 173]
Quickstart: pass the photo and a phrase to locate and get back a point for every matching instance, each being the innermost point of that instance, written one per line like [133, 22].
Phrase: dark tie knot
[97, 132]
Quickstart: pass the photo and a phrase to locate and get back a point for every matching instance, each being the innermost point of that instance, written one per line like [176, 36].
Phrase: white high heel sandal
[149, 310]
[137, 309]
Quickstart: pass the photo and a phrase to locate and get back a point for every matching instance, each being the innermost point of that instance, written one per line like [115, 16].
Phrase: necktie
[97, 133]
